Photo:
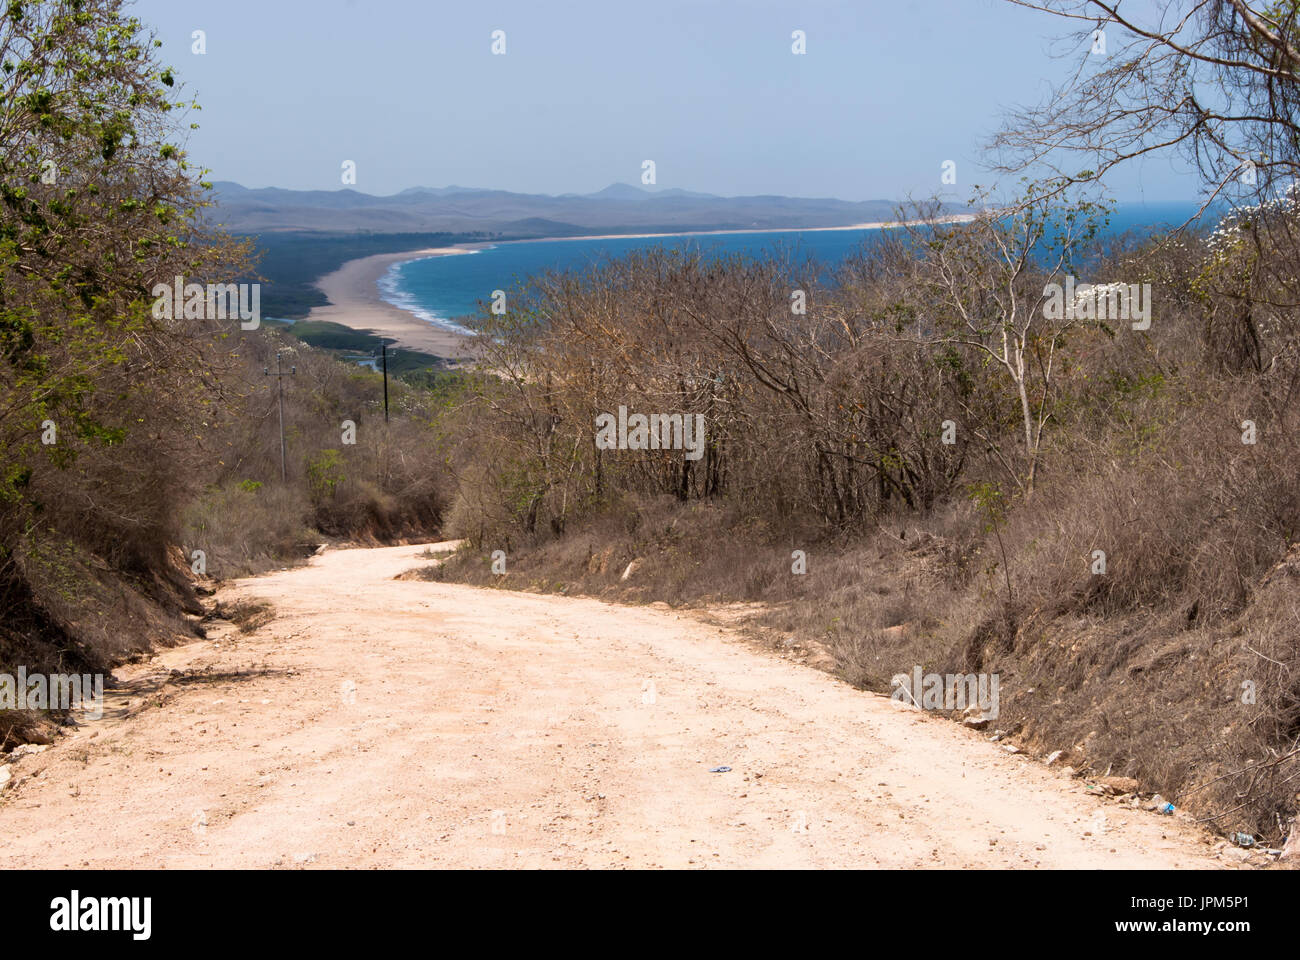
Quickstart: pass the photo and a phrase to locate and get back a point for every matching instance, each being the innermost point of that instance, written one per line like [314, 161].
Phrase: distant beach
[355, 301]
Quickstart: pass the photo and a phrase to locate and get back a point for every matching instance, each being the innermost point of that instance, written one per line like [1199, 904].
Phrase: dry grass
[1125, 688]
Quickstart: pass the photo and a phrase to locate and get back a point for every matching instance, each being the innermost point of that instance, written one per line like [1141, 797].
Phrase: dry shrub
[247, 527]
[1187, 523]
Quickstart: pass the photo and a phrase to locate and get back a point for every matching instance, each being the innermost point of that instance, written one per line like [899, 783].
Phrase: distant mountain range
[619, 208]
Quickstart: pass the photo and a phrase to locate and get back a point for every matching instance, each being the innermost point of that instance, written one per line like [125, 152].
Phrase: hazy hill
[619, 208]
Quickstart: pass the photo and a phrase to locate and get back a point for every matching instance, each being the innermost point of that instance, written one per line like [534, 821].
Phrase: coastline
[355, 300]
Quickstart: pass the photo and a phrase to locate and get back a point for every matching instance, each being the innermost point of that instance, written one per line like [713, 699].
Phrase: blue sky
[708, 89]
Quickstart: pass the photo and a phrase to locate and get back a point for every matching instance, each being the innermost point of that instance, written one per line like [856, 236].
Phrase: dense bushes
[99, 397]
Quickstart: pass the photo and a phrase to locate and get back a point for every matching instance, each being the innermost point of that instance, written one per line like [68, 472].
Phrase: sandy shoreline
[353, 292]
[355, 301]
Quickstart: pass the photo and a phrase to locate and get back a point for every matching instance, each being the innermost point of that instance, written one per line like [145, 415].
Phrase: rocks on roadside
[1291, 849]
[1118, 785]
[631, 569]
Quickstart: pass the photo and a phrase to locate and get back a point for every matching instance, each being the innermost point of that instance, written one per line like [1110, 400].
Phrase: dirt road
[378, 722]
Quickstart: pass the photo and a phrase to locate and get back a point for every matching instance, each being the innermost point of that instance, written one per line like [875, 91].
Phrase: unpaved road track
[378, 722]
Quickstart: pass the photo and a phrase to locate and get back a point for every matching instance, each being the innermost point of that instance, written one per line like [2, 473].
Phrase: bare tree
[1213, 79]
[984, 290]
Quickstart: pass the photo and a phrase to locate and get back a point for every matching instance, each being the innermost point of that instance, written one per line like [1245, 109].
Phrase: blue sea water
[441, 289]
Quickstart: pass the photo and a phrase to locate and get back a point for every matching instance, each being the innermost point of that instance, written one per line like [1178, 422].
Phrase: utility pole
[279, 382]
[383, 348]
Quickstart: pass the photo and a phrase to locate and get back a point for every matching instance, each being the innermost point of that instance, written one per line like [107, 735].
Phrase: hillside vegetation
[1111, 529]
[138, 449]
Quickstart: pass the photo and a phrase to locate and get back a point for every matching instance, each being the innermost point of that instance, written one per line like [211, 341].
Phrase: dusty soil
[382, 722]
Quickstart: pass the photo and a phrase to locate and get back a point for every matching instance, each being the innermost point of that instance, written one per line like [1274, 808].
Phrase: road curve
[383, 722]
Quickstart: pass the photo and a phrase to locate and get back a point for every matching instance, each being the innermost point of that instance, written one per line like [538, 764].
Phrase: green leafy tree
[98, 204]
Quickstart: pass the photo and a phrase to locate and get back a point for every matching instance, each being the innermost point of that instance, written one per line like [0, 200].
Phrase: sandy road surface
[397, 723]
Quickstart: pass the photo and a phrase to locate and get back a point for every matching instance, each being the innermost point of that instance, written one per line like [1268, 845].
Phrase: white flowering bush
[1247, 283]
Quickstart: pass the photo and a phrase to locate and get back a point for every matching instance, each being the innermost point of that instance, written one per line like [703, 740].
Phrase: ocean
[441, 289]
